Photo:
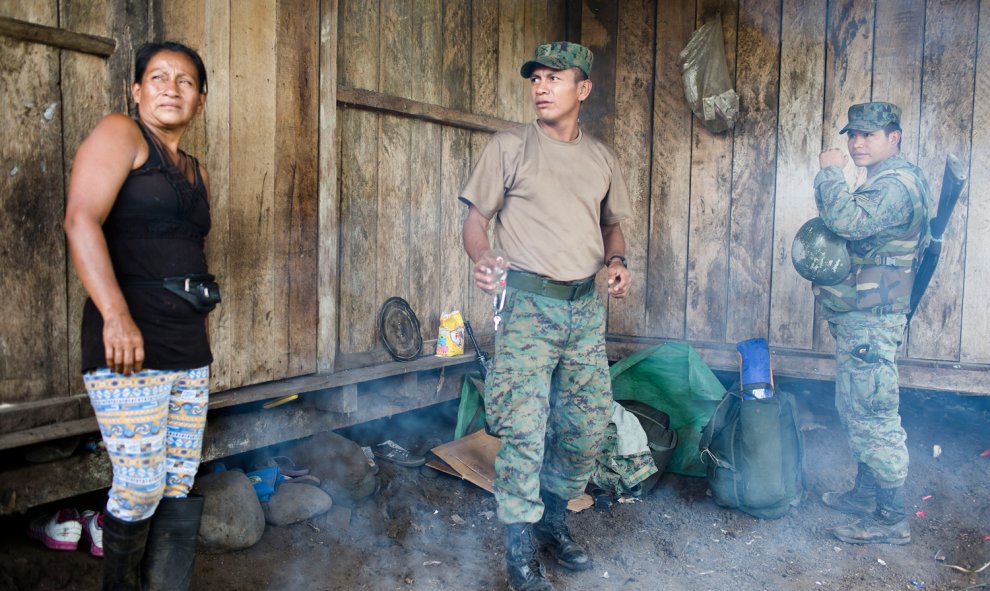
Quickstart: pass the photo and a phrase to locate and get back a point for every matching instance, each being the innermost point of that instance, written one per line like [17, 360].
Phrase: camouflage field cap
[872, 116]
[559, 55]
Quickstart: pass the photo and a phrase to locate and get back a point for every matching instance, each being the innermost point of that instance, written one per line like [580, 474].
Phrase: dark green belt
[561, 290]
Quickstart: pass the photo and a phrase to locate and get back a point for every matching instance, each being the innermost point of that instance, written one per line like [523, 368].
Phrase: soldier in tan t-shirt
[557, 199]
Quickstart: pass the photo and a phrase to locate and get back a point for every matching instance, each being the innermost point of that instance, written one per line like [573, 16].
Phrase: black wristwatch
[621, 258]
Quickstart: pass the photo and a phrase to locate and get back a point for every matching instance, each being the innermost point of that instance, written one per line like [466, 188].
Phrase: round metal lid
[399, 328]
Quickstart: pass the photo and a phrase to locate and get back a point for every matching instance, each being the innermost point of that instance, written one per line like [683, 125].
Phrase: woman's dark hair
[149, 50]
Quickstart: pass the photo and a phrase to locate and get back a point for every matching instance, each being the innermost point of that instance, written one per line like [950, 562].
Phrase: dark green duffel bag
[659, 436]
[754, 454]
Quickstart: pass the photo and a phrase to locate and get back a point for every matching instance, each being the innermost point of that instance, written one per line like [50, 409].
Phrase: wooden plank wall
[716, 213]
[321, 212]
[259, 140]
[399, 216]
[51, 100]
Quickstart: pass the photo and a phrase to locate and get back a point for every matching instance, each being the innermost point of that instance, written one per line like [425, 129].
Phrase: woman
[136, 221]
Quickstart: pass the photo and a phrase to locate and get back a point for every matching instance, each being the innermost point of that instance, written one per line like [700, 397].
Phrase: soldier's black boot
[168, 561]
[551, 533]
[123, 549]
[887, 525]
[861, 500]
[522, 565]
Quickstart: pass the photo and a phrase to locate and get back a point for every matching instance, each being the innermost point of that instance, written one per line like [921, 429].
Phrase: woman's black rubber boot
[123, 548]
[168, 563]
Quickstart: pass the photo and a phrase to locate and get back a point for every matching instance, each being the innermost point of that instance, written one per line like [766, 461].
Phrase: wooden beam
[959, 378]
[55, 37]
[377, 101]
[27, 486]
[254, 393]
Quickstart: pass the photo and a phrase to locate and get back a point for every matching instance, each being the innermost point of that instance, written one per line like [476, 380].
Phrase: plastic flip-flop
[288, 468]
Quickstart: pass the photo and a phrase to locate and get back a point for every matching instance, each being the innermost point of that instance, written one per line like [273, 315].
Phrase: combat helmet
[819, 255]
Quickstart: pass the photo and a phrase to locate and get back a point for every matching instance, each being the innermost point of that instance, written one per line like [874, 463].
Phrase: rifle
[479, 355]
[953, 181]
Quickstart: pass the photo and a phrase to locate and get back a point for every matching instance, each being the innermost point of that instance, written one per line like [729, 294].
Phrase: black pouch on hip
[199, 289]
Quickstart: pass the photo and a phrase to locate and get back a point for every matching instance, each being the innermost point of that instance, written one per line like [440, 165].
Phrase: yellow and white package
[450, 341]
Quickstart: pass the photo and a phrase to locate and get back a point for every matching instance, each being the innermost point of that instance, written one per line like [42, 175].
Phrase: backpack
[753, 451]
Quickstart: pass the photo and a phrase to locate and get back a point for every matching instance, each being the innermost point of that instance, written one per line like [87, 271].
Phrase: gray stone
[232, 516]
[339, 463]
[295, 502]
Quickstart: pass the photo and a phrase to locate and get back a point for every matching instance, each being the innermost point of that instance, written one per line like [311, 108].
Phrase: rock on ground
[232, 516]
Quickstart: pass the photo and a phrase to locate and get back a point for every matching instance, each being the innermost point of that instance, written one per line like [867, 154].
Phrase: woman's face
[168, 94]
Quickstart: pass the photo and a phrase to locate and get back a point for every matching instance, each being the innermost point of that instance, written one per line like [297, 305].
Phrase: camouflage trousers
[548, 397]
[866, 391]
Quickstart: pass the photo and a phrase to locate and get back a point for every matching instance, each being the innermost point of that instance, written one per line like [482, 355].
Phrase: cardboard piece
[472, 458]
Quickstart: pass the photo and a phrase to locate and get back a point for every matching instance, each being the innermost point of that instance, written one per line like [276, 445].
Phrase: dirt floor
[424, 531]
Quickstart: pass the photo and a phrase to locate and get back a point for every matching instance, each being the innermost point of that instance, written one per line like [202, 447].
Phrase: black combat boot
[523, 567]
[887, 525]
[168, 561]
[123, 549]
[551, 533]
[861, 500]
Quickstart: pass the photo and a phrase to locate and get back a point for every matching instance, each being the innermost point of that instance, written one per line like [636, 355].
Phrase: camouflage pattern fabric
[872, 116]
[886, 221]
[559, 55]
[866, 391]
[548, 397]
[621, 474]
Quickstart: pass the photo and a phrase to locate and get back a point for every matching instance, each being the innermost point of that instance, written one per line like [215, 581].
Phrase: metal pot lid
[399, 328]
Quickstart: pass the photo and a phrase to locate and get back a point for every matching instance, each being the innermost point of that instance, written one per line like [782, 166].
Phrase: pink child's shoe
[92, 530]
[58, 532]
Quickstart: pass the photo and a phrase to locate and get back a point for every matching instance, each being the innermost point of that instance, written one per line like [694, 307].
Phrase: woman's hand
[123, 344]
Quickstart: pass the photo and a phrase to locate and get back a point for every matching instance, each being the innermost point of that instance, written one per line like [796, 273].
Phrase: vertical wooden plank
[394, 154]
[423, 192]
[974, 346]
[455, 156]
[329, 201]
[897, 52]
[359, 266]
[207, 29]
[799, 138]
[296, 196]
[599, 29]
[484, 76]
[252, 174]
[665, 279]
[753, 170]
[33, 342]
[633, 135]
[513, 96]
[947, 127]
[556, 26]
[711, 172]
[848, 67]
[86, 96]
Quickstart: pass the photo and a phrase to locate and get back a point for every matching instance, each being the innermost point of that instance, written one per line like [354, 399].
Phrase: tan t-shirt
[549, 199]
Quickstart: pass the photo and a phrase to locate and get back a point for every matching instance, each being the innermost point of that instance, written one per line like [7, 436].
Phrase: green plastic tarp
[671, 377]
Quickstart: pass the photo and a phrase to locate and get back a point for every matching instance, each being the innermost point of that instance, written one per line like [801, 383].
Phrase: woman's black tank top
[156, 229]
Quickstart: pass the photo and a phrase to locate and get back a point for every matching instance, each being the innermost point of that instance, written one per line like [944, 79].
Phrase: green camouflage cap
[872, 116]
[559, 55]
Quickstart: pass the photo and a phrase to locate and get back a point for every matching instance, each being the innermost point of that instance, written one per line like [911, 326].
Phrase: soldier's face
[869, 148]
[557, 94]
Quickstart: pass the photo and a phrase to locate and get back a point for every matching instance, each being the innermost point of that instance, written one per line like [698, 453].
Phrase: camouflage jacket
[886, 221]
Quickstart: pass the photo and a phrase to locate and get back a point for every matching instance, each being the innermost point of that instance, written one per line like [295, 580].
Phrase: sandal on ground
[288, 468]
[391, 451]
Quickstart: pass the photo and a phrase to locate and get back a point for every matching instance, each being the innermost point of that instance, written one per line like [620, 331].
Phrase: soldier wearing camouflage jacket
[886, 223]
[556, 198]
